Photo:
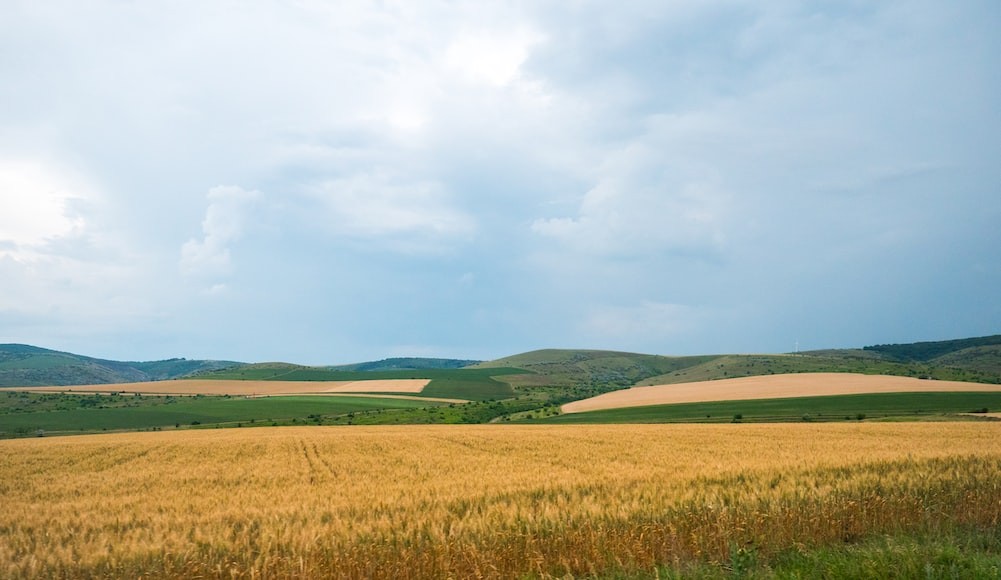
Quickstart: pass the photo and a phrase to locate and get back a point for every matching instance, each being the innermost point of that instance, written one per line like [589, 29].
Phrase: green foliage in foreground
[832, 408]
[960, 553]
[23, 414]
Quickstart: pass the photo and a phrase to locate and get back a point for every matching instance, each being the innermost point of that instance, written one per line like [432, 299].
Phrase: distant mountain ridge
[23, 365]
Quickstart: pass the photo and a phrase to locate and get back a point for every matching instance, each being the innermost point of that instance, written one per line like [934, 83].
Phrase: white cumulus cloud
[37, 202]
[224, 224]
[490, 56]
[399, 215]
[642, 205]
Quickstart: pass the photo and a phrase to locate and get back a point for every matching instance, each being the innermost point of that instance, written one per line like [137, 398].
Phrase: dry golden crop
[243, 388]
[477, 501]
[770, 387]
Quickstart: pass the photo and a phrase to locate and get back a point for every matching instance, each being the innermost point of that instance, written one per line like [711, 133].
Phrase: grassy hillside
[985, 360]
[929, 351]
[591, 369]
[24, 365]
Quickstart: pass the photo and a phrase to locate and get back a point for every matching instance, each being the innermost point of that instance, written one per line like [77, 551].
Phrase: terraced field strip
[244, 388]
[770, 387]
[381, 386]
[371, 396]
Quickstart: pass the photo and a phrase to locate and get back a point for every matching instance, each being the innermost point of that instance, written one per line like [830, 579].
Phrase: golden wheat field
[477, 501]
[243, 388]
[769, 387]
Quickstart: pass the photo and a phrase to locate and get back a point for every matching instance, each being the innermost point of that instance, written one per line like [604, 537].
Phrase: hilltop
[25, 365]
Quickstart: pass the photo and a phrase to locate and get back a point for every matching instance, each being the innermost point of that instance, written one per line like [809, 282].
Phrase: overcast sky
[330, 182]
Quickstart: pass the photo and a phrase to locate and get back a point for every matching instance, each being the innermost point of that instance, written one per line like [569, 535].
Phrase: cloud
[38, 205]
[490, 56]
[224, 223]
[399, 215]
[558, 171]
[645, 202]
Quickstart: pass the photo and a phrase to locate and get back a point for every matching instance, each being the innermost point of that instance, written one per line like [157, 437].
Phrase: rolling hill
[576, 373]
[25, 365]
[594, 371]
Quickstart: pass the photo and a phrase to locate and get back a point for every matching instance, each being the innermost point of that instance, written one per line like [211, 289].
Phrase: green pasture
[21, 415]
[471, 384]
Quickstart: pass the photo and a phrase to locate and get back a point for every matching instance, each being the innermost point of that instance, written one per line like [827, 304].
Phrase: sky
[332, 182]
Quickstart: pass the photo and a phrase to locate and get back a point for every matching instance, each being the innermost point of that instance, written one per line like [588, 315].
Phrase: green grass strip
[828, 408]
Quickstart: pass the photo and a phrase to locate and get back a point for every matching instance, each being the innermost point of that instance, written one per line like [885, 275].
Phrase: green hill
[23, 365]
[931, 351]
[583, 373]
[592, 371]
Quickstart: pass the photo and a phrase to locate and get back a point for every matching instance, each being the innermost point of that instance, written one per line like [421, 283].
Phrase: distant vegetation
[929, 351]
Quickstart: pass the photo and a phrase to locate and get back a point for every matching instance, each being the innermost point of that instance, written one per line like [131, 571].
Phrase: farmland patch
[245, 388]
[489, 501]
[769, 387]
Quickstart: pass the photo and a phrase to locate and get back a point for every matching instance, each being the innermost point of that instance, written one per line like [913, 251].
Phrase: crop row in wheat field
[488, 501]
